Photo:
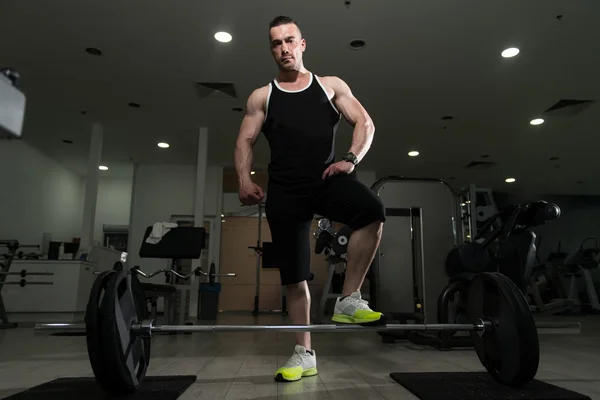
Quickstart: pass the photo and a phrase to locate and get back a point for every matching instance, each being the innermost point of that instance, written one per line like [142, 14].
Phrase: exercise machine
[180, 243]
[549, 290]
[580, 265]
[420, 227]
[12, 104]
[510, 247]
[476, 207]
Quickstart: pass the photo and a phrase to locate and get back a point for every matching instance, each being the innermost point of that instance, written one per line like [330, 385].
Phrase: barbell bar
[24, 283]
[24, 273]
[148, 327]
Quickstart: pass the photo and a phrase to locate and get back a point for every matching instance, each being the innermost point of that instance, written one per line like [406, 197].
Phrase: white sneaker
[302, 363]
[354, 310]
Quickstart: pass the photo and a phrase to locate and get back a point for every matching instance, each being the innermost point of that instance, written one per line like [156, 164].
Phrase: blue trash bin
[208, 309]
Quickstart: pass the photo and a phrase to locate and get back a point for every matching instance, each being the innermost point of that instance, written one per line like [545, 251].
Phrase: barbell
[119, 333]
[147, 328]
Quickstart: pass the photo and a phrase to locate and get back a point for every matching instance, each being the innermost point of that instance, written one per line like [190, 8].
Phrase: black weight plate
[453, 266]
[128, 355]
[510, 349]
[93, 328]
[528, 333]
[142, 308]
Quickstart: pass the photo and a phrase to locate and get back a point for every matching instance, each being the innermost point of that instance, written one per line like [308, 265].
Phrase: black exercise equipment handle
[166, 271]
[197, 272]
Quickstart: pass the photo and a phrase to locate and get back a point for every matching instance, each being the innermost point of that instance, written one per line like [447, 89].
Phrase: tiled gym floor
[241, 365]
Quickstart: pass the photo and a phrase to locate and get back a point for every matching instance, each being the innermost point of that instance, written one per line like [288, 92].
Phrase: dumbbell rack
[5, 266]
[13, 246]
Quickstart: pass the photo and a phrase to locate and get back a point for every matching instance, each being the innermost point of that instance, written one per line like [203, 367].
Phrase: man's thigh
[346, 200]
[290, 222]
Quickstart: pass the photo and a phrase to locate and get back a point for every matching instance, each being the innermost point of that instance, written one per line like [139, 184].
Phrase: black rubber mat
[476, 386]
[153, 388]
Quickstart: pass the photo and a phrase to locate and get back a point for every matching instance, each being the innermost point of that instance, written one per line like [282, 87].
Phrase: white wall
[38, 195]
[113, 205]
[161, 191]
[233, 206]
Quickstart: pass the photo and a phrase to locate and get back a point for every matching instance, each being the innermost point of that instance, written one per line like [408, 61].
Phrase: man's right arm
[248, 134]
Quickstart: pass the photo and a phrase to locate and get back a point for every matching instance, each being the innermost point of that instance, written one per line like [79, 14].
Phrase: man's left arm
[356, 115]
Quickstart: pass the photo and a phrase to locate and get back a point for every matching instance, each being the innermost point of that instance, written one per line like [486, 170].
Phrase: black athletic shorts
[341, 198]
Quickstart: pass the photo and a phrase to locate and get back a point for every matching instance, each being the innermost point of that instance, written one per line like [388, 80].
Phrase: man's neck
[292, 76]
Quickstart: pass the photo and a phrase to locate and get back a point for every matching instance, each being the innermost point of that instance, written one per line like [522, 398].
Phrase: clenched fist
[250, 193]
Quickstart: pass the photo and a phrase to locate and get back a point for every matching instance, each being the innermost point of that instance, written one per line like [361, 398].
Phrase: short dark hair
[282, 20]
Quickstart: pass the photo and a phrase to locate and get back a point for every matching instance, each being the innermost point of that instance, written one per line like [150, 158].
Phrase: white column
[199, 209]
[91, 188]
[215, 235]
[130, 240]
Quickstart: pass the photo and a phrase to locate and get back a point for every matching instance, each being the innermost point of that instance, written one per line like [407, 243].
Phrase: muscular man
[299, 112]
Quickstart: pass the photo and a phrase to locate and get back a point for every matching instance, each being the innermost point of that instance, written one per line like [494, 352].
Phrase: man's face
[287, 46]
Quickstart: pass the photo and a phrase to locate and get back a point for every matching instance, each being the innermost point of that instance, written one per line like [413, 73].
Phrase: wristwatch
[350, 157]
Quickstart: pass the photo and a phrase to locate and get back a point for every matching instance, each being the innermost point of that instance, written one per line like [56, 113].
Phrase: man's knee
[299, 289]
[371, 217]
[376, 228]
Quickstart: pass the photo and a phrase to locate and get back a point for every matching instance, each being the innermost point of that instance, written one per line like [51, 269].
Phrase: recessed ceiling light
[357, 44]
[413, 153]
[102, 167]
[537, 121]
[93, 51]
[134, 105]
[163, 145]
[510, 52]
[253, 172]
[510, 180]
[223, 37]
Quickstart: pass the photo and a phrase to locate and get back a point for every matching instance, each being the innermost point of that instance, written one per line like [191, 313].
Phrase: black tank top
[300, 127]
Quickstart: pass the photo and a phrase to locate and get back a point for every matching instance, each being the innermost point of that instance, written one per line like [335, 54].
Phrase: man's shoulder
[332, 81]
[258, 98]
[329, 78]
[260, 93]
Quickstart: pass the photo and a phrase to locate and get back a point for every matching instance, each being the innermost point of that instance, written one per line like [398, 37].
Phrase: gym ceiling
[431, 74]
